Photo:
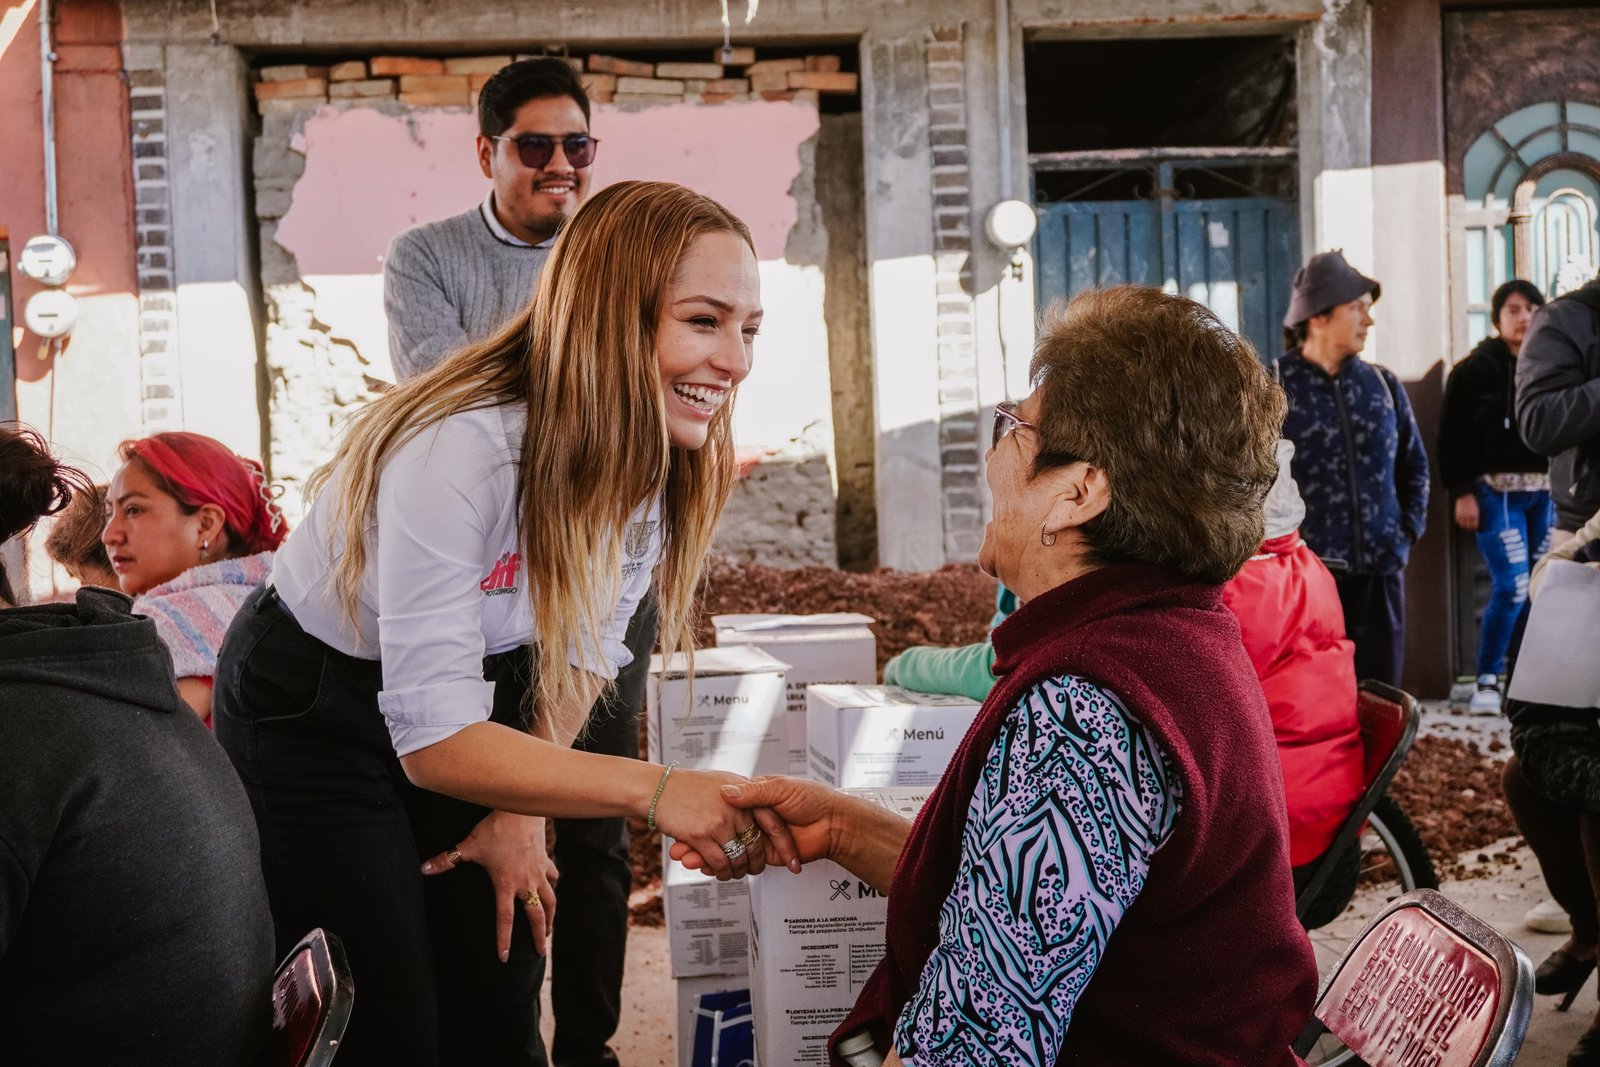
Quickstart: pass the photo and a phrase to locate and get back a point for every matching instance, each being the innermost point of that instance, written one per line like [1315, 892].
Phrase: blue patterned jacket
[1359, 461]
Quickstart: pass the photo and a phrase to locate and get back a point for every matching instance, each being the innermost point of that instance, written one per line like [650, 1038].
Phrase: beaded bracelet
[650, 816]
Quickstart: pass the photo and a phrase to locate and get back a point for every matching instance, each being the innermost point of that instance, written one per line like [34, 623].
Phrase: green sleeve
[959, 671]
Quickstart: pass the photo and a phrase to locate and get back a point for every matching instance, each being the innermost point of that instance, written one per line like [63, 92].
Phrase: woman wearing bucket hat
[1359, 458]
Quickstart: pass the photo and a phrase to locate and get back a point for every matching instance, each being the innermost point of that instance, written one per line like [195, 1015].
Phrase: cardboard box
[729, 717]
[874, 736]
[714, 1021]
[819, 649]
[815, 938]
[708, 922]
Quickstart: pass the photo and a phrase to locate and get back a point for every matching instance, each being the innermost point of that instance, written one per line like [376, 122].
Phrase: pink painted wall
[370, 175]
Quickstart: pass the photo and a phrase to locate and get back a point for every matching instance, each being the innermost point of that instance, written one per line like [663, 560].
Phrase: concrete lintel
[405, 27]
[1046, 19]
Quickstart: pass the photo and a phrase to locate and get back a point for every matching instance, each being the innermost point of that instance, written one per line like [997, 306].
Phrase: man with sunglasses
[450, 283]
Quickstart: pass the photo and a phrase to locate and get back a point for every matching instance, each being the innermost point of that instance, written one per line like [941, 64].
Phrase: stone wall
[422, 81]
[782, 511]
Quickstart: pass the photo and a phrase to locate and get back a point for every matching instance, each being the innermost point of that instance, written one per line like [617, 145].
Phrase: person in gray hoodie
[133, 917]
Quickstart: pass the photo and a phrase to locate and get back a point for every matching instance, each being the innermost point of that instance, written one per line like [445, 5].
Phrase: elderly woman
[1121, 777]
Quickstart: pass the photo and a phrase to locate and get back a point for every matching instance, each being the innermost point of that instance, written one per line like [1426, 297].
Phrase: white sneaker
[1486, 697]
[1547, 917]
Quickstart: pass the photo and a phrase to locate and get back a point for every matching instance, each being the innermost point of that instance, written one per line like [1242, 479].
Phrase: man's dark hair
[1295, 336]
[1527, 289]
[527, 79]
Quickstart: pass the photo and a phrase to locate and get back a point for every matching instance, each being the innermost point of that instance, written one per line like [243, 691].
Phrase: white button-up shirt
[444, 583]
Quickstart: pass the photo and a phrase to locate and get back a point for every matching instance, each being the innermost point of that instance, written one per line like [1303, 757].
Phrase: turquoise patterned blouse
[1075, 798]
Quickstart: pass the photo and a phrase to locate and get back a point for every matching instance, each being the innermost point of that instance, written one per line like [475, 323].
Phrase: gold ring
[454, 856]
[531, 898]
[750, 835]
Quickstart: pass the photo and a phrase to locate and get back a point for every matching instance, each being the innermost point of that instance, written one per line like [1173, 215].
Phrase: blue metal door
[1236, 255]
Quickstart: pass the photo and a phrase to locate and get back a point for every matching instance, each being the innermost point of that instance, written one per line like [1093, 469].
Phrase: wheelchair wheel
[1393, 862]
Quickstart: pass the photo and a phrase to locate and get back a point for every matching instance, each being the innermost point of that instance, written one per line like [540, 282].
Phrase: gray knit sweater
[449, 283]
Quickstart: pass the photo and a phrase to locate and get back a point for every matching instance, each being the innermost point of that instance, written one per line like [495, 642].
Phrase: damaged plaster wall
[335, 182]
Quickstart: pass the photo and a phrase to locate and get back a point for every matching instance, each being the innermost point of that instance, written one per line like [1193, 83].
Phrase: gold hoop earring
[1046, 538]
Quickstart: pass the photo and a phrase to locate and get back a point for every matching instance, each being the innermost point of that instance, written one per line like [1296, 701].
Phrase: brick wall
[455, 82]
[161, 400]
[959, 450]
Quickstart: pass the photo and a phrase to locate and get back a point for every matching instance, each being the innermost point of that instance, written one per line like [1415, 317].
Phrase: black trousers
[1375, 619]
[343, 836]
[1336, 892]
[591, 929]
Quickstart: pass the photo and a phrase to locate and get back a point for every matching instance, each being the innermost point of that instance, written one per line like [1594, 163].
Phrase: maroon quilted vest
[1208, 966]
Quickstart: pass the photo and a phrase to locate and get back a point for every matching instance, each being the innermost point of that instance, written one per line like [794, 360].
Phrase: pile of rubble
[1451, 790]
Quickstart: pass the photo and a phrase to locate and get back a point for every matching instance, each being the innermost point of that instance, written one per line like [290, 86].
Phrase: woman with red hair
[190, 529]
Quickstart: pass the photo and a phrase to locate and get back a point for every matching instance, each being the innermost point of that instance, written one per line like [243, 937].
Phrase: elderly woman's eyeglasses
[1006, 420]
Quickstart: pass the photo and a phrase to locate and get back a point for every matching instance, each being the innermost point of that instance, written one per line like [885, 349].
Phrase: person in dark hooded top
[133, 917]
[1500, 488]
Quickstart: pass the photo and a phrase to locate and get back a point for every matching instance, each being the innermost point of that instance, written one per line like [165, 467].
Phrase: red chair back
[1387, 719]
[311, 999]
[1382, 715]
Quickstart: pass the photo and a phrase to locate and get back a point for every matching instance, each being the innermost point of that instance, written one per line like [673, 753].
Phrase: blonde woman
[379, 696]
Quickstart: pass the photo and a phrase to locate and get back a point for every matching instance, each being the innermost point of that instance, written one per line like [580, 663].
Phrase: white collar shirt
[496, 227]
[444, 583]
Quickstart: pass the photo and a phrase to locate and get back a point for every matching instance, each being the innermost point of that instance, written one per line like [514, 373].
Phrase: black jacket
[134, 926]
[1478, 427]
[1558, 400]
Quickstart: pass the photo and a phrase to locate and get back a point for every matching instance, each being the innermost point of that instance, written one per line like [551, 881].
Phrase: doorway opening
[1168, 162]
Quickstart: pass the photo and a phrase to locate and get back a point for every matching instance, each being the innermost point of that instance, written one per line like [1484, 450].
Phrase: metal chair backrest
[1427, 982]
[311, 998]
[1388, 719]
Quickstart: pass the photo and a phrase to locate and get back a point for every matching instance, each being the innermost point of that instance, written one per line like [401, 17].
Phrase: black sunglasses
[535, 150]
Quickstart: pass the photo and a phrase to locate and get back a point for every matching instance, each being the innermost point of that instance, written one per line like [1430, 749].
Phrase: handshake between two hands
[702, 811]
[731, 827]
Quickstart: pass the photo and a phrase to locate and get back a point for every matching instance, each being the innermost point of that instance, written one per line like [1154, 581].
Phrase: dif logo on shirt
[503, 579]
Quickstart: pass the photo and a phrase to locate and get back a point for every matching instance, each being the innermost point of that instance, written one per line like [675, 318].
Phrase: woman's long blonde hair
[581, 358]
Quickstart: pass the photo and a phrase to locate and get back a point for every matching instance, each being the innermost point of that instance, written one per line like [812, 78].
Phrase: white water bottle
[858, 1050]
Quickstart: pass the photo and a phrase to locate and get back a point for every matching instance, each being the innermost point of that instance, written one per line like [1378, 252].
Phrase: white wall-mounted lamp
[1010, 225]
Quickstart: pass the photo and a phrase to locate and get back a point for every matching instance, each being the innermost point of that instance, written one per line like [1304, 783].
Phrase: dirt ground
[950, 606]
[1451, 790]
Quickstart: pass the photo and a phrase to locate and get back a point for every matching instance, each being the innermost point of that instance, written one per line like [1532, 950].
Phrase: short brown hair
[74, 540]
[1177, 410]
